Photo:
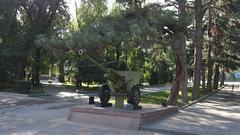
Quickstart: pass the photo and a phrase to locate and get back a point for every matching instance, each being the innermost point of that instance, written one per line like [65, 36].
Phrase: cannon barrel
[82, 53]
[122, 84]
[110, 73]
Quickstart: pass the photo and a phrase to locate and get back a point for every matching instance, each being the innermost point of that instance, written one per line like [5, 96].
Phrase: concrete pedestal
[118, 118]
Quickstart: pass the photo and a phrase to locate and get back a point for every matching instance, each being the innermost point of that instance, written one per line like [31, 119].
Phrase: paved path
[217, 115]
[58, 92]
[33, 116]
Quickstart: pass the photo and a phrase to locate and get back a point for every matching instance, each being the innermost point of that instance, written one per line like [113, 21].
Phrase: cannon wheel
[104, 94]
[134, 95]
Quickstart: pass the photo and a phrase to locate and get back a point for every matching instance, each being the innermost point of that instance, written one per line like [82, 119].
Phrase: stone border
[118, 118]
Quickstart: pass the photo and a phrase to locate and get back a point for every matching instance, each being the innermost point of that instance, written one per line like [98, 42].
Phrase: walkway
[34, 116]
[217, 115]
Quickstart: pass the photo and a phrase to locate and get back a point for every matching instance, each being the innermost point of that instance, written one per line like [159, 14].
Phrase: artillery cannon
[121, 84]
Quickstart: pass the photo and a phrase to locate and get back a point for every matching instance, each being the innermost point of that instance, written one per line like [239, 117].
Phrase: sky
[71, 4]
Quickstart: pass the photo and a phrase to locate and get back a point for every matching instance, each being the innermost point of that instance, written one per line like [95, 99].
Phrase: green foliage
[127, 29]
[7, 14]
[87, 37]
[136, 59]
[23, 86]
[88, 72]
[12, 32]
[152, 63]
[228, 23]
[91, 11]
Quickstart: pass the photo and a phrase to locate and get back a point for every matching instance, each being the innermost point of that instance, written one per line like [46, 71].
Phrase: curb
[164, 131]
[38, 95]
[23, 95]
[14, 94]
[198, 100]
[201, 98]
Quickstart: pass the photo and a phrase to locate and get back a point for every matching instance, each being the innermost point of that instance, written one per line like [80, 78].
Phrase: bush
[23, 86]
[161, 76]
[3, 76]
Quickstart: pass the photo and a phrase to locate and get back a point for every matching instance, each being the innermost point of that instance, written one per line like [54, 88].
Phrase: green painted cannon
[121, 84]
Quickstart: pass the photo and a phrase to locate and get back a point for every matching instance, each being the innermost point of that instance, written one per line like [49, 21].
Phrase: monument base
[103, 105]
[119, 118]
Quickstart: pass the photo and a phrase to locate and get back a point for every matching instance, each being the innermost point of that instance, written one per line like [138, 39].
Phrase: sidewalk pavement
[32, 117]
[216, 115]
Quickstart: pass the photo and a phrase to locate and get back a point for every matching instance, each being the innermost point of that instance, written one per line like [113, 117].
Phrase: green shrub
[23, 86]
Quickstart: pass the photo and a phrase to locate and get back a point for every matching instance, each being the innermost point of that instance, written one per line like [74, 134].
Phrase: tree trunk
[37, 64]
[184, 69]
[209, 55]
[78, 77]
[177, 83]
[20, 74]
[203, 76]
[184, 87]
[210, 68]
[179, 50]
[61, 71]
[22, 63]
[198, 48]
[183, 14]
[118, 53]
[78, 81]
[216, 77]
[223, 76]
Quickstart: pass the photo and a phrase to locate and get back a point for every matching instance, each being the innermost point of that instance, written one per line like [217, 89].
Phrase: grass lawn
[162, 96]
[84, 87]
[157, 97]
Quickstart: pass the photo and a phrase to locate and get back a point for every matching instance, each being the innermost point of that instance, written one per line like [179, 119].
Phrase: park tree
[219, 54]
[11, 35]
[86, 37]
[199, 13]
[225, 33]
[179, 44]
[200, 9]
[179, 50]
[7, 15]
[40, 15]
